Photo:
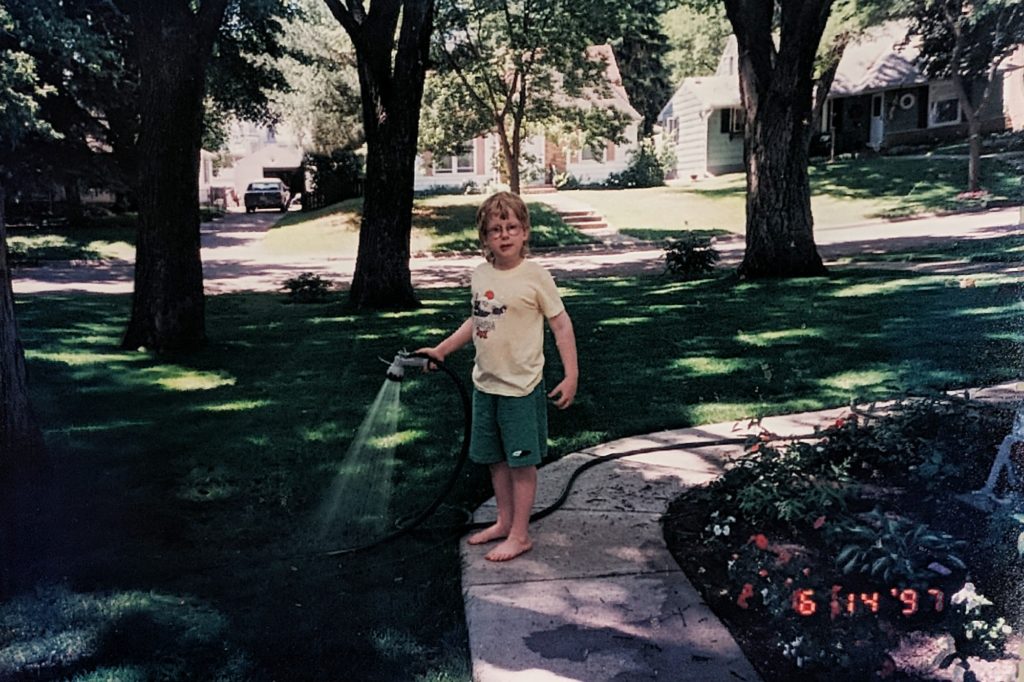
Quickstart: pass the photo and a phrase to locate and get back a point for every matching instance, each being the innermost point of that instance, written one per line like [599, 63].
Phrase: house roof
[715, 92]
[617, 99]
[881, 59]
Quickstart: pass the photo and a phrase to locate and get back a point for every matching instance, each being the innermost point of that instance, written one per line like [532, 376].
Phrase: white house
[253, 152]
[879, 99]
[479, 161]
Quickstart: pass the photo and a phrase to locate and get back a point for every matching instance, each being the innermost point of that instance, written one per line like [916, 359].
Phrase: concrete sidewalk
[599, 597]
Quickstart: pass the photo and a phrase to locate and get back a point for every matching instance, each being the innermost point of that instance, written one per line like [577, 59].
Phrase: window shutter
[726, 120]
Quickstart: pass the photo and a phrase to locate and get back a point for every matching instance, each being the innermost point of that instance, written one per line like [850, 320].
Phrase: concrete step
[538, 189]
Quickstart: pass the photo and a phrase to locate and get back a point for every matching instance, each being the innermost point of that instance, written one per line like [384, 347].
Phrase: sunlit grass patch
[234, 406]
[890, 286]
[851, 381]
[710, 365]
[180, 379]
[764, 339]
[78, 358]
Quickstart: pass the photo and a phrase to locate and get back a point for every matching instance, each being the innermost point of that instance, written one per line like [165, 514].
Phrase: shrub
[336, 176]
[768, 485]
[893, 549]
[645, 169]
[308, 287]
[690, 257]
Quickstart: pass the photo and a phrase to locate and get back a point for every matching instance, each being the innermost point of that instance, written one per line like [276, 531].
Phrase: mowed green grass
[179, 536]
[843, 192]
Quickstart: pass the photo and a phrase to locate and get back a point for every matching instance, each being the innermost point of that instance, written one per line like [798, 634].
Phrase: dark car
[266, 194]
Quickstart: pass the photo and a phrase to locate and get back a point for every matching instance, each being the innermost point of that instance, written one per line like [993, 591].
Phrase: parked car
[266, 193]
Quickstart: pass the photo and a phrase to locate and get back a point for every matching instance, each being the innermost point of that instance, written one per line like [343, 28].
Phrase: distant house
[479, 158]
[703, 121]
[253, 152]
[879, 99]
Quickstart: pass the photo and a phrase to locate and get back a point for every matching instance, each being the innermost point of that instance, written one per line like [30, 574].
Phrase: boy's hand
[564, 393]
[430, 353]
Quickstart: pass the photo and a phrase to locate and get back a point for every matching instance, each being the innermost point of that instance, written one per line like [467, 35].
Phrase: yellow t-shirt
[509, 307]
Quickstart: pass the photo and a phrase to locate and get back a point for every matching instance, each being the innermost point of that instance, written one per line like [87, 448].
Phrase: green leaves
[893, 549]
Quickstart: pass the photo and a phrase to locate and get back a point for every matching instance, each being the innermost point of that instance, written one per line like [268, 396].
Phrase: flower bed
[852, 558]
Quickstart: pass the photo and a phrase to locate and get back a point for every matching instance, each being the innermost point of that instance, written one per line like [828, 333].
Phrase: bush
[893, 549]
[336, 176]
[645, 169]
[691, 257]
[308, 287]
[792, 485]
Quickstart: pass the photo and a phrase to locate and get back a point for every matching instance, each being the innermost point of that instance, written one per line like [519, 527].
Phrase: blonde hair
[502, 203]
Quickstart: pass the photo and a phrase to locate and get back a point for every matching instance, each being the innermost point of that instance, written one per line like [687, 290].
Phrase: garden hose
[396, 372]
[420, 360]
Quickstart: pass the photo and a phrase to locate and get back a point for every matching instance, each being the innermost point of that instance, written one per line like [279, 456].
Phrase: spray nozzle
[396, 368]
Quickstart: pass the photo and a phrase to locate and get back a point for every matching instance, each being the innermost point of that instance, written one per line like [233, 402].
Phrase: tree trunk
[391, 98]
[21, 442]
[168, 308]
[382, 278]
[974, 158]
[776, 88]
[510, 155]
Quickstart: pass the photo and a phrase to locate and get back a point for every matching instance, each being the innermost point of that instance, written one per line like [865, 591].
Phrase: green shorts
[513, 430]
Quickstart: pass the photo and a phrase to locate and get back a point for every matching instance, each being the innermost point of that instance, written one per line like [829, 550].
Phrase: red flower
[763, 573]
[489, 294]
[819, 522]
[759, 540]
[746, 593]
[755, 447]
[839, 423]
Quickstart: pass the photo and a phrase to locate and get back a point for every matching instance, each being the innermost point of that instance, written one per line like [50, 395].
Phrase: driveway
[235, 260]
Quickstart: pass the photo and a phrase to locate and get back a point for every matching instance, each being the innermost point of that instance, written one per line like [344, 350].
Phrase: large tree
[776, 87]
[392, 45]
[174, 42]
[966, 43]
[20, 90]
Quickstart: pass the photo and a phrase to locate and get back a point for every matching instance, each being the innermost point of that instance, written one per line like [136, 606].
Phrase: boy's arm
[565, 339]
[456, 340]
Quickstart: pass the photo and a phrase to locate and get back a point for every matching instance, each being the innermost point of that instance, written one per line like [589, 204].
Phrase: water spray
[396, 373]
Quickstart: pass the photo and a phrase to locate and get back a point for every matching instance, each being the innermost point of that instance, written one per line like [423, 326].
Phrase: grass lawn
[441, 224]
[180, 538]
[842, 193]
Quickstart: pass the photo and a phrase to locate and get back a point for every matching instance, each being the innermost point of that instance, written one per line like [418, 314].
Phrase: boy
[511, 297]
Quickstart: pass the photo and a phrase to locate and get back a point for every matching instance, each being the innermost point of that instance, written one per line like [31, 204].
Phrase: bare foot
[489, 534]
[509, 549]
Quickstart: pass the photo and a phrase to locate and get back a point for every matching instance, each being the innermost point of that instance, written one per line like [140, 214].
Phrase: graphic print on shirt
[486, 310]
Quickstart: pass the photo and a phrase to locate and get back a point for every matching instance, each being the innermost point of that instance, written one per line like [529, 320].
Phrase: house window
[443, 164]
[587, 154]
[732, 121]
[464, 162]
[454, 163]
[943, 105]
[945, 112]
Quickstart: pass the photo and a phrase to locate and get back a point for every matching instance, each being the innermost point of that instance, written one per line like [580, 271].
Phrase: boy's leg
[501, 481]
[524, 490]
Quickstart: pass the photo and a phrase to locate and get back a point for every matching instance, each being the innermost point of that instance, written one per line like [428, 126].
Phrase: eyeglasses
[512, 231]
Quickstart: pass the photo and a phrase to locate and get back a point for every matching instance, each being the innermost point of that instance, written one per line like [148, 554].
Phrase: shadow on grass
[200, 478]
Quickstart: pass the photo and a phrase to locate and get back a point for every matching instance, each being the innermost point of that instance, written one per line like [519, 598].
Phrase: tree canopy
[516, 68]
